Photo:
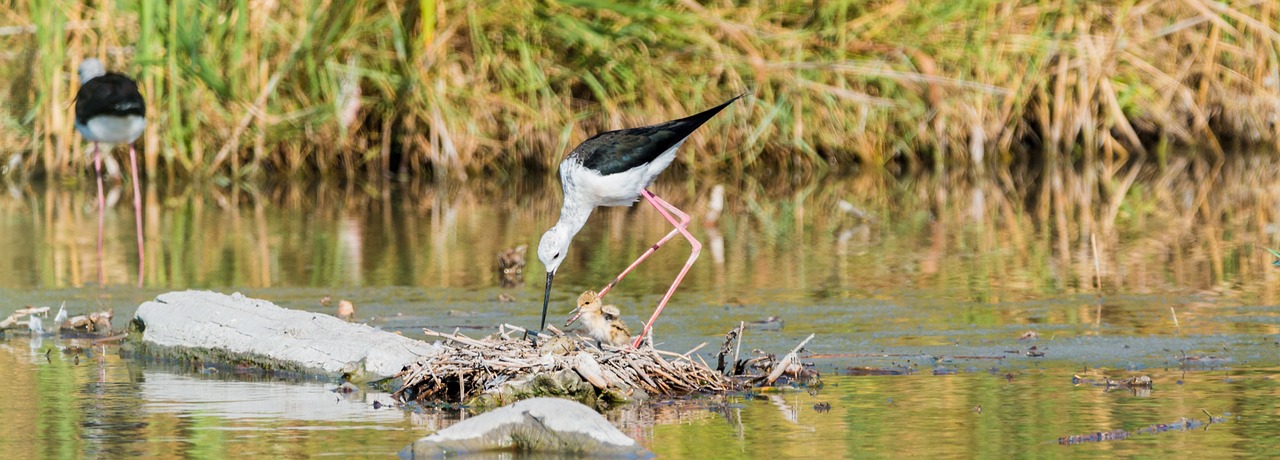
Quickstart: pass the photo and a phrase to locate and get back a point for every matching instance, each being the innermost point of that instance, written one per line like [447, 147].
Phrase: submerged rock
[539, 425]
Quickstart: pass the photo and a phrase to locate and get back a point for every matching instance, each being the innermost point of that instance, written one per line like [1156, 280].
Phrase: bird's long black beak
[546, 300]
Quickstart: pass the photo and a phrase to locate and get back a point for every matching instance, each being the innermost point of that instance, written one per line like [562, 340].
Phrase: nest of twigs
[505, 367]
[468, 368]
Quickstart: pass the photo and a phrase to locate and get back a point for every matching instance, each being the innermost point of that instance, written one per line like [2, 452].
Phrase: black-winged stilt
[110, 110]
[613, 169]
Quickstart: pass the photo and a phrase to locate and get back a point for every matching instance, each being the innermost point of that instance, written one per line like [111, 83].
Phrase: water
[936, 277]
[109, 407]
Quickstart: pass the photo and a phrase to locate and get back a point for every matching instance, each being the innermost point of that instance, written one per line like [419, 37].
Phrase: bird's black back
[109, 94]
[617, 151]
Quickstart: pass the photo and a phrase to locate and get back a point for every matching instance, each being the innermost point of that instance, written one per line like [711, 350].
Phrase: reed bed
[366, 89]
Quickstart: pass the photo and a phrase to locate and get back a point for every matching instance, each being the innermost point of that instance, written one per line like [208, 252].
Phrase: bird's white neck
[573, 215]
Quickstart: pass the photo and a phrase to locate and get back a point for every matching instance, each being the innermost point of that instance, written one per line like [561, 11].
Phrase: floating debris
[1035, 352]
[790, 365]
[15, 319]
[731, 339]
[62, 314]
[770, 367]
[1141, 383]
[1180, 425]
[511, 266]
[822, 407]
[1029, 335]
[92, 324]
[865, 370]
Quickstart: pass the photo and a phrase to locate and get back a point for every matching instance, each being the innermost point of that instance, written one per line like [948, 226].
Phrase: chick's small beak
[576, 313]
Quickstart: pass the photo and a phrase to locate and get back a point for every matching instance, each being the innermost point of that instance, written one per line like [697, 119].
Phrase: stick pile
[468, 368]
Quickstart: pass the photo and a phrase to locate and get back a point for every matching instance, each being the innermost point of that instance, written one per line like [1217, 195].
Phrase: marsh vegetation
[246, 88]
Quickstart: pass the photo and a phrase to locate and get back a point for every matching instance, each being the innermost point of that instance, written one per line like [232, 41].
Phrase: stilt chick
[603, 322]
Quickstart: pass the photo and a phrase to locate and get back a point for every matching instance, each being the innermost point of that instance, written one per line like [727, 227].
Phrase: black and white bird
[110, 110]
[614, 169]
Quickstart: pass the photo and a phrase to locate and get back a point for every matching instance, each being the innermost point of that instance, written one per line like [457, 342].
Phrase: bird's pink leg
[681, 226]
[102, 207]
[137, 211]
[684, 222]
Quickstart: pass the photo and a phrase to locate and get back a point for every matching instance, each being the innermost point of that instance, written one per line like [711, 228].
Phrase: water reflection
[889, 272]
[106, 406]
[240, 397]
[1190, 227]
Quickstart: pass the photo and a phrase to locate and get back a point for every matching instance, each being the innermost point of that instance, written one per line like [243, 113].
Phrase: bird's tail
[702, 117]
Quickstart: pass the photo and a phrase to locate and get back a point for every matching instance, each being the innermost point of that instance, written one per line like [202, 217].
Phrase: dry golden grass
[363, 89]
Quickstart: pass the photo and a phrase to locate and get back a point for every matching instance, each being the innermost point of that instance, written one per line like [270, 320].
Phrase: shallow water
[934, 278]
[107, 406]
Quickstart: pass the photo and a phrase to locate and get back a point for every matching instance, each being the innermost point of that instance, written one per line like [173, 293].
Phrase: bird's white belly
[113, 129]
[622, 189]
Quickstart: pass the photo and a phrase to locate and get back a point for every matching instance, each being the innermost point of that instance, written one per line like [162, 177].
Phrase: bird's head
[90, 69]
[588, 303]
[551, 251]
[552, 248]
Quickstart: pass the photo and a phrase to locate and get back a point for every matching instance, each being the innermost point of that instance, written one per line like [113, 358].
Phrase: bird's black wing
[110, 94]
[625, 149]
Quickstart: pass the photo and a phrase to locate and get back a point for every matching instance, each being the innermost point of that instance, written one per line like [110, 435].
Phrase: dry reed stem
[500, 88]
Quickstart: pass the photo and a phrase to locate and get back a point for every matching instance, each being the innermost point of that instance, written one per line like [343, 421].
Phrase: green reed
[243, 88]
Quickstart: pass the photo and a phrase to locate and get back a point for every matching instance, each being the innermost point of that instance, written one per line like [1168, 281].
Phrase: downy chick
[603, 322]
